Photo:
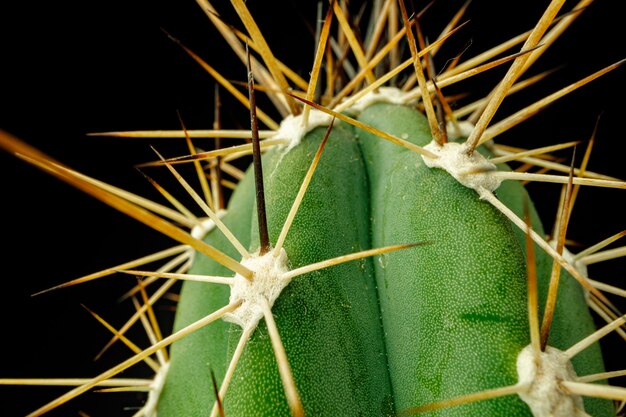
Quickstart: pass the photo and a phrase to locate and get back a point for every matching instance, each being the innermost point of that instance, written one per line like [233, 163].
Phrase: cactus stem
[259, 284]
[547, 382]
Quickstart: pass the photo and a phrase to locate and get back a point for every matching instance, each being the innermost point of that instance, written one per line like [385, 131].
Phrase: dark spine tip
[256, 161]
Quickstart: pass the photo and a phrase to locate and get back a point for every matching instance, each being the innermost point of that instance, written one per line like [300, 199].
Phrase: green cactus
[432, 306]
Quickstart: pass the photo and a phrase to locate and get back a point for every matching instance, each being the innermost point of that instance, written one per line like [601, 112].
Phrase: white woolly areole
[293, 129]
[460, 129]
[571, 259]
[473, 171]
[391, 95]
[579, 266]
[150, 408]
[544, 395]
[199, 231]
[267, 283]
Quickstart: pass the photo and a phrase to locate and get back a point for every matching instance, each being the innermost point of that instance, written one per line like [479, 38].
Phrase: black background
[70, 68]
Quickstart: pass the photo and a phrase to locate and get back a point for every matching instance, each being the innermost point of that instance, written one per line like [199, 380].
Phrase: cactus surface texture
[339, 242]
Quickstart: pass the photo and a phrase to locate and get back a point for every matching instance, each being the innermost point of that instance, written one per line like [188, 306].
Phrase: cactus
[432, 307]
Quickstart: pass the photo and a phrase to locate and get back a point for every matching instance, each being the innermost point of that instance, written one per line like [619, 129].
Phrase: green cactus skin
[454, 314]
[449, 218]
[328, 320]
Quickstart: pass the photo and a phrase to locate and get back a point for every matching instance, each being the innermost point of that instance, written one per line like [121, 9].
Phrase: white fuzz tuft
[293, 129]
[571, 259]
[472, 170]
[579, 266]
[542, 377]
[460, 129]
[266, 283]
[199, 231]
[391, 95]
[150, 408]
